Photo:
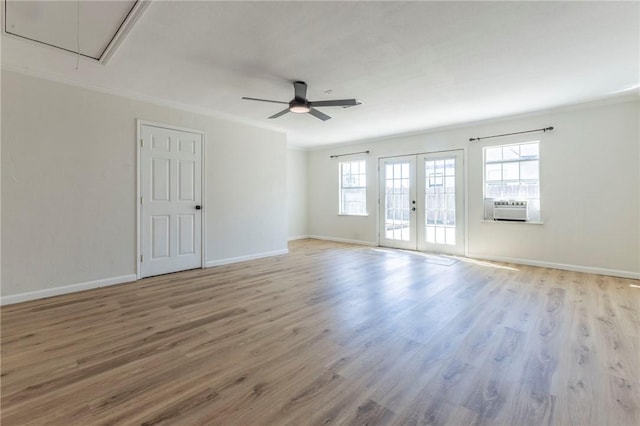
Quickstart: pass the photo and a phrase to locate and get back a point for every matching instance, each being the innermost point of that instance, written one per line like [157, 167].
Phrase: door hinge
[141, 142]
[141, 257]
[141, 200]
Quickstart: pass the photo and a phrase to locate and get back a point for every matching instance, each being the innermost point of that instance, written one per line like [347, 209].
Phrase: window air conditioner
[510, 210]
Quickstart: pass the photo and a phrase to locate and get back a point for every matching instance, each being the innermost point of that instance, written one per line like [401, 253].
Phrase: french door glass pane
[440, 201]
[397, 201]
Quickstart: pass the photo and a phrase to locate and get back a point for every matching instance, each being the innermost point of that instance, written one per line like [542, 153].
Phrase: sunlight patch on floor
[439, 259]
[485, 263]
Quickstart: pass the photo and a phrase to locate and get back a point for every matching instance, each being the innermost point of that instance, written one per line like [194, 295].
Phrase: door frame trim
[203, 188]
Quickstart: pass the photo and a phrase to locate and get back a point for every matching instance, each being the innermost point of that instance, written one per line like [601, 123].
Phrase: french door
[422, 202]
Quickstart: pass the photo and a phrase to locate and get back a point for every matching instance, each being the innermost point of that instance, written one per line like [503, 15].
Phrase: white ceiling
[414, 65]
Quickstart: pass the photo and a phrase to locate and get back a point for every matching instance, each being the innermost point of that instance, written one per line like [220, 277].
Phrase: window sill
[356, 215]
[529, 222]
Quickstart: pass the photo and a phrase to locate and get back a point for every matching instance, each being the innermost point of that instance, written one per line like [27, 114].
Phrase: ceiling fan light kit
[301, 105]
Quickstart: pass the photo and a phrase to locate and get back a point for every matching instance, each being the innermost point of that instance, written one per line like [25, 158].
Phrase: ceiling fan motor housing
[299, 106]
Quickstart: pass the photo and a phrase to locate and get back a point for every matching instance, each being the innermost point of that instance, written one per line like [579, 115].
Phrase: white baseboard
[344, 240]
[298, 237]
[57, 291]
[563, 266]
[229, 260]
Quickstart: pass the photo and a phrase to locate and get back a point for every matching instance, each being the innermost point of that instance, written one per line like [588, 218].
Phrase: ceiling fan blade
[264, 100]
[281, 113]
[300, 88]
[318, 114]
[339, 102]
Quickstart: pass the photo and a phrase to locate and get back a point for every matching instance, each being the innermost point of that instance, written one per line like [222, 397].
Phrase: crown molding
[611, 99]
[135, 96]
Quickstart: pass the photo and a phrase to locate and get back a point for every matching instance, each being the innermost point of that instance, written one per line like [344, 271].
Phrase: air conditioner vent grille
[516, 210]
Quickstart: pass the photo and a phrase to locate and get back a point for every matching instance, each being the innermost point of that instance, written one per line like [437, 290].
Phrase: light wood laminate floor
[330, 334]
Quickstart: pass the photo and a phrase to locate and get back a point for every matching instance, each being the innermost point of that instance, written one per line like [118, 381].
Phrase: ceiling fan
[300, 104]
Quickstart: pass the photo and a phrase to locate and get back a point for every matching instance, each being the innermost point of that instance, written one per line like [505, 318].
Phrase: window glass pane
[510, 171]
[493, 154]
[529, 190]
[511, 189]
[494, 172]
[353, 200]
[346, 179]
[353, 195]
[511, 152]
[529, 150]
[494, 190]
[529, 170]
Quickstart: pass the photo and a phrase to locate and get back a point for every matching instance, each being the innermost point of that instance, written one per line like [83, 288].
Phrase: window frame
[537, 217]
[362, 171]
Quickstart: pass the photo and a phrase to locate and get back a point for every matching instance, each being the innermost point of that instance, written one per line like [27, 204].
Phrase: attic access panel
[55, 23]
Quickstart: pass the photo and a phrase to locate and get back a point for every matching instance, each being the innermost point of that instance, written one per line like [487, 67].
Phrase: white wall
[297, 193]
[590, 189]
[69, 185]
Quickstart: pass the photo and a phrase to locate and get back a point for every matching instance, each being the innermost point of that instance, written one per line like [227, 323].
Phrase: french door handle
[413, 209]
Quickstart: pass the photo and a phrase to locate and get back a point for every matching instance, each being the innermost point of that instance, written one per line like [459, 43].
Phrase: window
[353, 187]
[511, 172]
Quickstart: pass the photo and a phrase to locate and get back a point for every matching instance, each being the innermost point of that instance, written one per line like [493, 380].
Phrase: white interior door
[422, 202]
[398, 202]
[171, 196]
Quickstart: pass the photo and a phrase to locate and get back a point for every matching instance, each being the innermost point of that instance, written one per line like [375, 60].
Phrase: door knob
[413, 209]
[198, 207]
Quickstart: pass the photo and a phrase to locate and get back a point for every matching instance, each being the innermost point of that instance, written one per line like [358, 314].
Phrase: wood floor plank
[330, 333]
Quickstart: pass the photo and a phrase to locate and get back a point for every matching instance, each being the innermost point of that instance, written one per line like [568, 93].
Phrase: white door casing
[170, 167]
[422, 202]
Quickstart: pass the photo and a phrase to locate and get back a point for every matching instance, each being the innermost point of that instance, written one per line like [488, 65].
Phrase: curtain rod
[351, 153]
[546, 129]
